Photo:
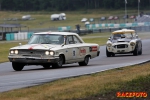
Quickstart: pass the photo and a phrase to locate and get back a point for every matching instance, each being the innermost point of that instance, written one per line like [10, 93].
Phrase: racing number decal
[74, 53]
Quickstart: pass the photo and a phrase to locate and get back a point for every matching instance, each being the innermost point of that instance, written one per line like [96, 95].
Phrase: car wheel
[113, 54]
[140, 52]
[46, 66]
[135, 52]
[59, 63]
[17, 66]
[85, 62]
[108, 54]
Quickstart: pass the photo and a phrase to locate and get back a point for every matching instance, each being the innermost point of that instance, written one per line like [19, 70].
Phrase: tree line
[70, 5]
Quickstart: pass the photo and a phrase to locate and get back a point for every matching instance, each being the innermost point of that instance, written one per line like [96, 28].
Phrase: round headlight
[109, 44]
[132, 44]
[51, 53]
[46, 52]
[12, 52]
[16, 51]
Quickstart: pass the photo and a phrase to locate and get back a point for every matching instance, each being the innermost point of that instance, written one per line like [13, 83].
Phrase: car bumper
[130, 49]
[28, 60]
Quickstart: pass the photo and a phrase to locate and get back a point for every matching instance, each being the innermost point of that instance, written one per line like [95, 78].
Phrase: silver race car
[122, 42]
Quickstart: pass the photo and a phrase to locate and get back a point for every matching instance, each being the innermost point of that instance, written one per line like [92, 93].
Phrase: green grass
[99, 40]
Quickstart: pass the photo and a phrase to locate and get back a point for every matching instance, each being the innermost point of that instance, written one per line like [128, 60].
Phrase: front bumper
[30, 60]
[128, 49]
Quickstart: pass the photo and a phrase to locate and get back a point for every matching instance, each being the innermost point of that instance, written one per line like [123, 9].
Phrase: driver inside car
[61, 40]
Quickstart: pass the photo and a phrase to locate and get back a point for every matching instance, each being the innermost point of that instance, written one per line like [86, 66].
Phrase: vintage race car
[123, 41]
[53, 49]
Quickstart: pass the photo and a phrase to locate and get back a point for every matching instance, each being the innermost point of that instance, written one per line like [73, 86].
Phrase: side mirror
[62, 44]
[108, 38]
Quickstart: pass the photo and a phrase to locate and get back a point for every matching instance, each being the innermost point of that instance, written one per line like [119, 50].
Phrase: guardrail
[66, 28]
[18, 36]
[122, 25]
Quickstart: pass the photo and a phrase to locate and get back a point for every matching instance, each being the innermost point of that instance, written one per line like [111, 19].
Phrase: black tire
[113, 55]
[59, 63]
[17, 66]
[135, 52]
[46, 66]
[108, 54]
[140, 52]
[85, 62]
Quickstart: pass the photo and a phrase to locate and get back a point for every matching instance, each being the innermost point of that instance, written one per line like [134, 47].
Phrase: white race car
[122, 42]
[53, 49]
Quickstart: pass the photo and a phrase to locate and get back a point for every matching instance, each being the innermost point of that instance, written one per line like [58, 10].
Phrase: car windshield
[46, 39]
[125, 35]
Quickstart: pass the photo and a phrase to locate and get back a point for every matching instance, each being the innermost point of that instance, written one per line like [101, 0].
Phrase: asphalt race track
[36, 75]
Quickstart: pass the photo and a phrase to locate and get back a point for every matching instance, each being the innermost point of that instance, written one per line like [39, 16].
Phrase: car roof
[123, 31]
[60, 33]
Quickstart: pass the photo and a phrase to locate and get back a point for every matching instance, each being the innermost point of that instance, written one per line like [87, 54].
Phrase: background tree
[63, 5]
[1, 4]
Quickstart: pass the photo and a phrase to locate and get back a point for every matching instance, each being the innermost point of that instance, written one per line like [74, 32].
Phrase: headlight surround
[132, 44]
[12, 51]
[46, 52]
[109, 44]
[49, 53]
[16, 51]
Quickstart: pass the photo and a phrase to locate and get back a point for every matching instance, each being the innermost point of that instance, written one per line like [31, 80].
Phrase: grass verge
[102, 85]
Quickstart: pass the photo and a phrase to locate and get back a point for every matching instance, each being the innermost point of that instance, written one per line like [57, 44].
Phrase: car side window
[70, 39]
[76, 40]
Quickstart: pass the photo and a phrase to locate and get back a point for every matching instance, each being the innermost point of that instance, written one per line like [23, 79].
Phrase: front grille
[32, 55]
[121, 46]
[31, 52]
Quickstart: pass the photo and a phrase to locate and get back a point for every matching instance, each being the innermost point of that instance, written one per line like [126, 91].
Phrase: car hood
[121, 40]
[36, 46]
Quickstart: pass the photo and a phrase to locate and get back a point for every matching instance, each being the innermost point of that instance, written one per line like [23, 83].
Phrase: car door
[73, 49]
[81, 48]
